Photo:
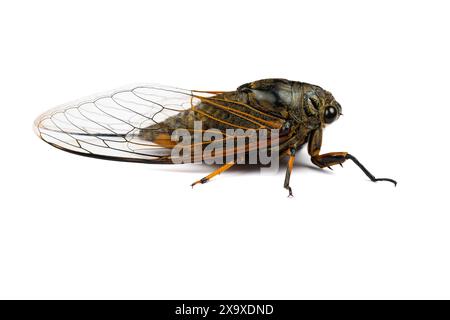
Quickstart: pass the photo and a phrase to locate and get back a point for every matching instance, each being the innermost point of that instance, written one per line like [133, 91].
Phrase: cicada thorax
[290, 100]
[285, 98]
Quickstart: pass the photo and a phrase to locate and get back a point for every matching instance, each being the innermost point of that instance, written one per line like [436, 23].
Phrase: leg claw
[202, 181]
[290, 192]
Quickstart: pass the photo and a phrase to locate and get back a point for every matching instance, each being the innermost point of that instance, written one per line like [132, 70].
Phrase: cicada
[142, 123]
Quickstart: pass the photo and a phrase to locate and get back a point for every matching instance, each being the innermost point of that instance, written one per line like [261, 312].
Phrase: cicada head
[320, 104]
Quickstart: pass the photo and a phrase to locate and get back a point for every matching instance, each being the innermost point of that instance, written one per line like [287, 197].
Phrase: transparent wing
[136, 123]
[111, 125]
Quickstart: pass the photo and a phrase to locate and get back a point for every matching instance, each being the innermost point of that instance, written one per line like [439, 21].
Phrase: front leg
[333, 158]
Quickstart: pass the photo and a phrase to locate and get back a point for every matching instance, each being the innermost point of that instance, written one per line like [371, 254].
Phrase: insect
[138, 124]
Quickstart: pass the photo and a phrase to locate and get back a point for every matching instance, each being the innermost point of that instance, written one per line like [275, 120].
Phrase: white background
[74, 227]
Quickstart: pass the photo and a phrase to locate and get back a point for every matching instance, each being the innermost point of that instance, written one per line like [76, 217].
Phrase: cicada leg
[333, 158]
[223, 168]
[291, 153]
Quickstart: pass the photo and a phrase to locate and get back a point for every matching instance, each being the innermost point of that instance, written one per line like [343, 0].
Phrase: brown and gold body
[137, 124]
[264, 104]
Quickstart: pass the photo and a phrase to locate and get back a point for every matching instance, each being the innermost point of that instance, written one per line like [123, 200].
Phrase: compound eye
[331, 114]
